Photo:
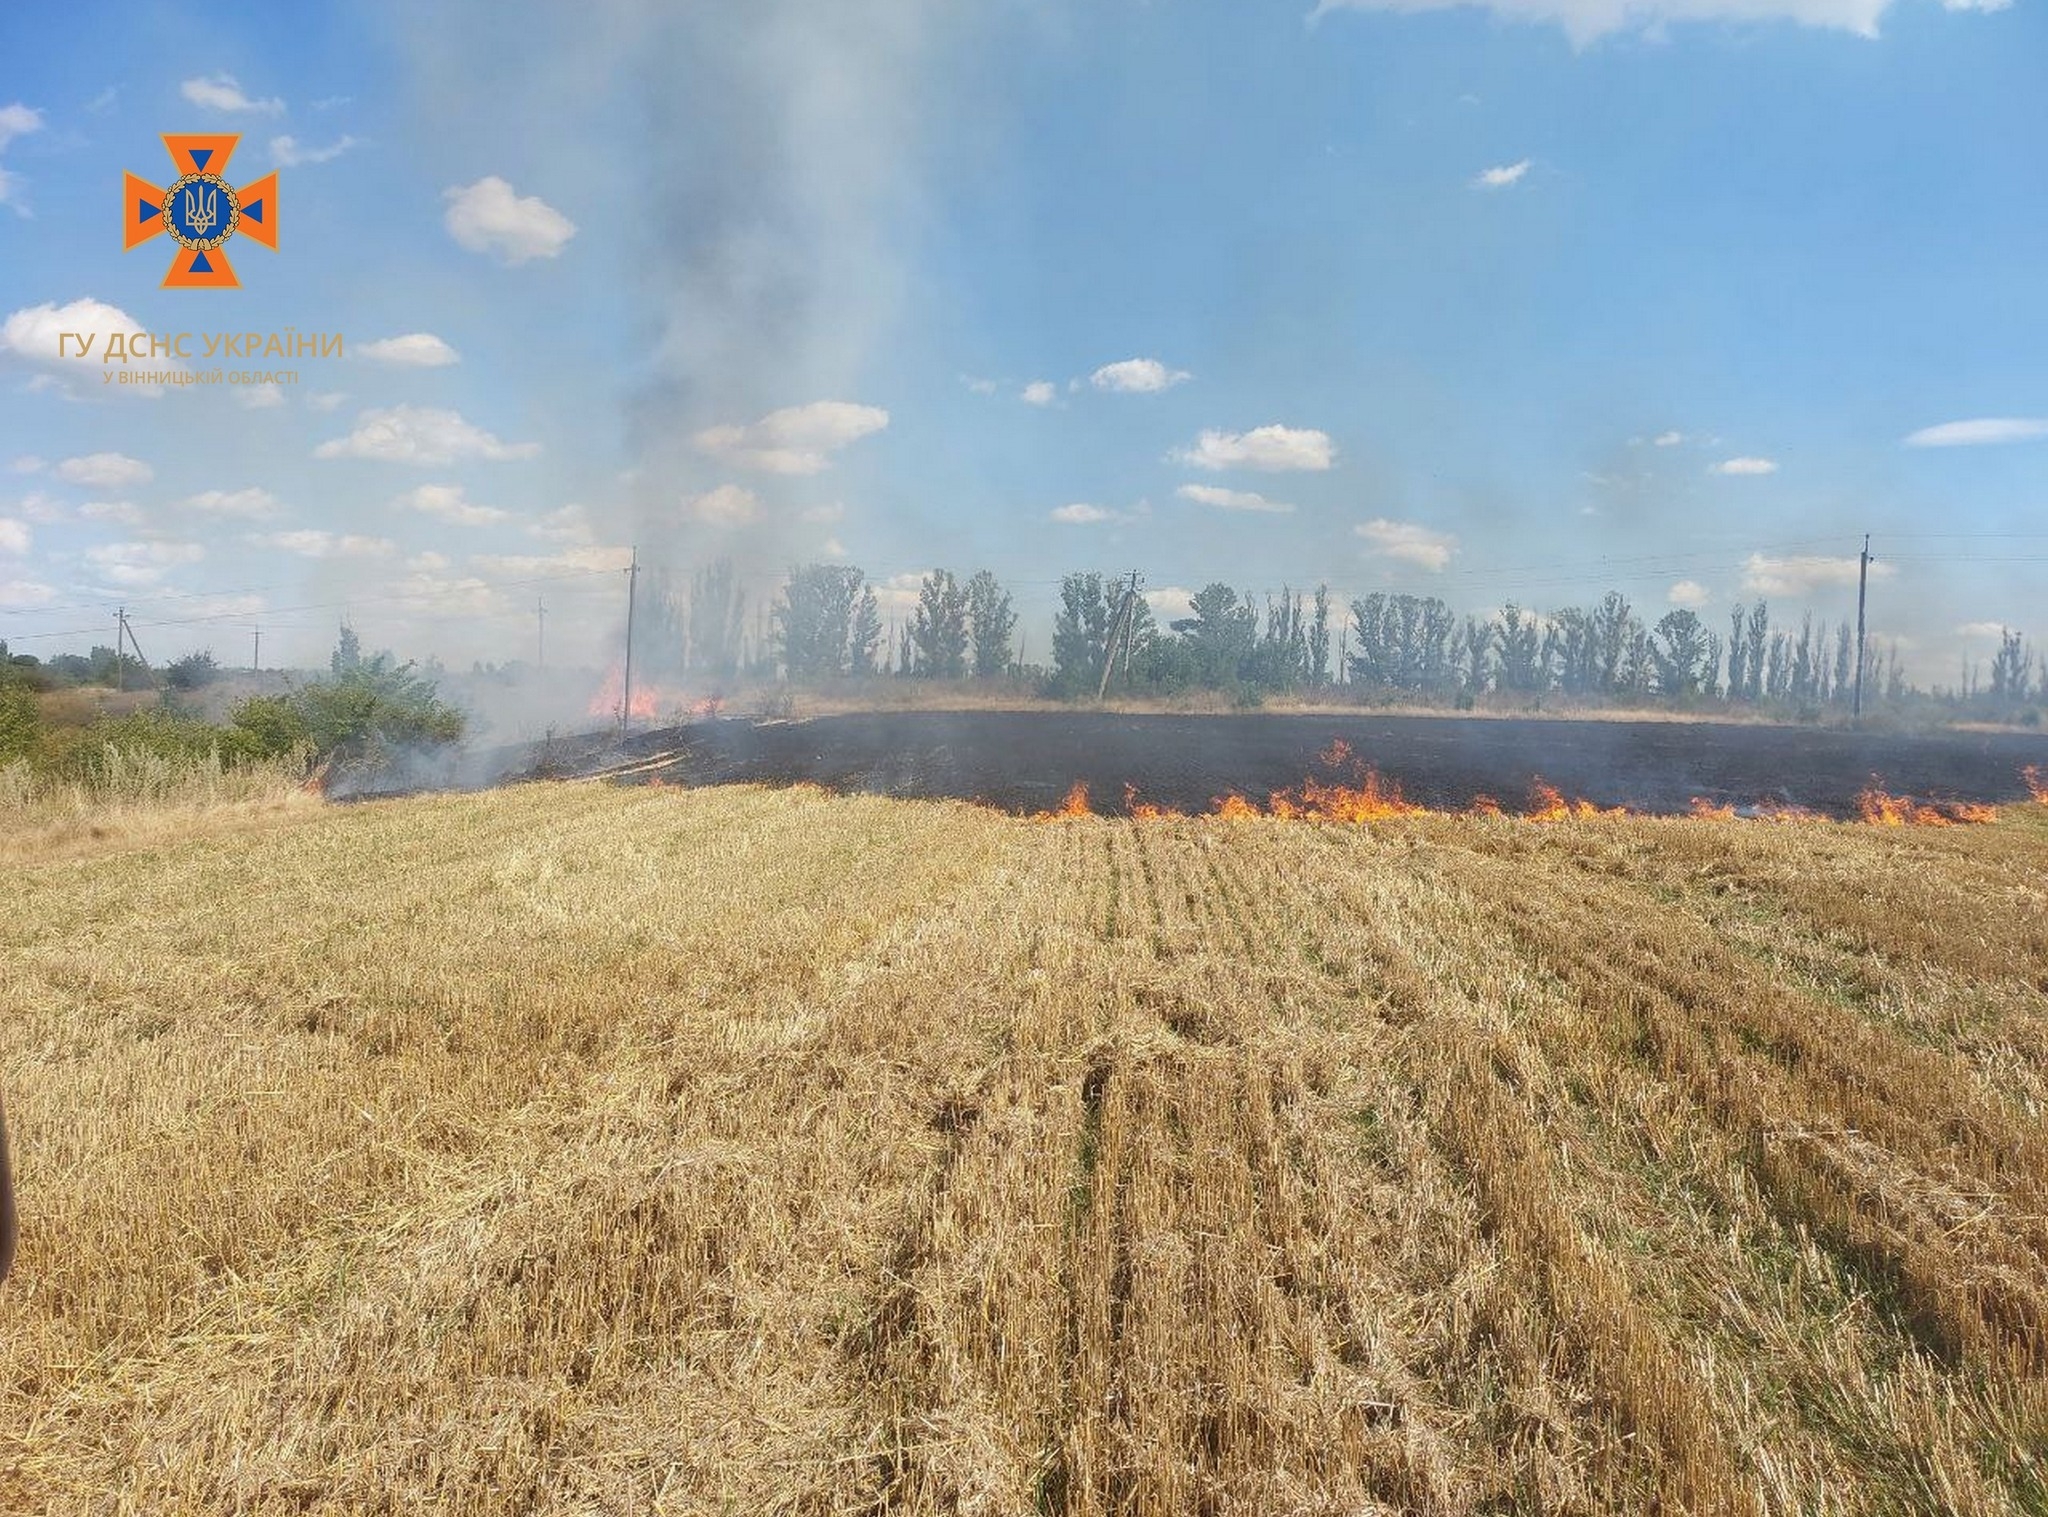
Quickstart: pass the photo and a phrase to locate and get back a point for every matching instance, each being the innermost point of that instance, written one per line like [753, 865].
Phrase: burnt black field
[1027, 761]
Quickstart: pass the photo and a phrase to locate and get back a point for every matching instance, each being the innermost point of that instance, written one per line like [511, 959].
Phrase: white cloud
[450, 504]
[1667, 439]
[833, 548]
[327, 400]
[1500, 178]
[25, 594]
[265, 397]
[33, 330]
[18, 120]
[569, 524]
[222, 93]
[568, 561]
[1689, 593]
[1767, 575]
[795, 440]
[426, 563]
[1137, 376]
[122, 511]
[420, 435]
[1992, 630]
[1586, 21]
[36, 506]
[899, 592]
[1171, 603]
[1080, 514]
[105, 471]
[1272, 449]
[27, 463]
[1040, 392]
[313, 543]
[1750, 466]
[15, 536]
[487, 217]
[417, 350]
[1987, 7]
[1409, 542]
[824, 516]
[289, 152]
[1987, 429]
[726, 506]
[141, 563]
[1230, 500]
[252, 504]
[979, 386]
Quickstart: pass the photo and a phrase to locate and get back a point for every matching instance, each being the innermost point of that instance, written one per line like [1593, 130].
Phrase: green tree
[1080, 632]
[939, 627]
[1679, 652]
[1319, 640]
[865, 640]
[192, 671]
[814, 620]
[348, 652]
[1220, 634]
[993, 620]
[717, 616]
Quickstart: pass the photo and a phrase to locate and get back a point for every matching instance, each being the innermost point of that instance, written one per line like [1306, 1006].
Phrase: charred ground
[1026, 761]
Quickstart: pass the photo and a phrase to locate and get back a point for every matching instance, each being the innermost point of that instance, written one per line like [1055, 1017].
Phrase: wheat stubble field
[580, 1149]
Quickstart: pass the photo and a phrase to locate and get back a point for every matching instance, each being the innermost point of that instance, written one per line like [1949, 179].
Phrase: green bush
[271, 725]
[21, 720]
[373, 707]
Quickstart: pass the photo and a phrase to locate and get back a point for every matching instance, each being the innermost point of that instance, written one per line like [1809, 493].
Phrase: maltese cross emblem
[200, 211]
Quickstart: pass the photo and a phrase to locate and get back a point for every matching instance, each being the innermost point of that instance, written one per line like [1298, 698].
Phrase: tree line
[826, 623]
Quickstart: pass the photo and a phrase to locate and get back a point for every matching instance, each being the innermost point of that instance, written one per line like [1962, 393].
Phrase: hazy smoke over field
[777, 155]
[750, 168]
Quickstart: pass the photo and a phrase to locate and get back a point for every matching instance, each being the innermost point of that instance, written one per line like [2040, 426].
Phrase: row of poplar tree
[826, 623]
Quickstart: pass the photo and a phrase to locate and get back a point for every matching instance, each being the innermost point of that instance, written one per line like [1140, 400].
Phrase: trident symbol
[201, 208]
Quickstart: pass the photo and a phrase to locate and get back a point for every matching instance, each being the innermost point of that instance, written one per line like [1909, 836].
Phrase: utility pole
[540, 611]
[256, 657]
[1121, 623]
[632, 585]
[130, 631]
[120, 627]
[1862, 590]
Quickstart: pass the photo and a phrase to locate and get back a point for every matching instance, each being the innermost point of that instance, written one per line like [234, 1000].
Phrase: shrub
[21, 721]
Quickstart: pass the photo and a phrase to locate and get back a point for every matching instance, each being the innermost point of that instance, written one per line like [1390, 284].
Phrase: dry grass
[591, 1150]
[134, 796]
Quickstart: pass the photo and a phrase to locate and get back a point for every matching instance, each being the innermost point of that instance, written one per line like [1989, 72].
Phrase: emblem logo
[200, 211]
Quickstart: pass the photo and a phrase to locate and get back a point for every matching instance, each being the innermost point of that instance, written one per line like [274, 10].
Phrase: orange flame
[1373, 799]
[1074, 804]
[1882, 810]
[1145, 811]
[1547, 804]
[650, 701]
[2037, 784]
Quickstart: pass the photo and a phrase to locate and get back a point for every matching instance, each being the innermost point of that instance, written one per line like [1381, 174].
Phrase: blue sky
[1530, 301]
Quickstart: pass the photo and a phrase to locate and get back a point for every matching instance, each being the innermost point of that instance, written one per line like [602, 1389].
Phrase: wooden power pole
[1120, 624]
[626, 700]
[1862, 592]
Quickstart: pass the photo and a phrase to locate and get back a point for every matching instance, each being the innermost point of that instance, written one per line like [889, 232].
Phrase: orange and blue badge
[200, 210]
